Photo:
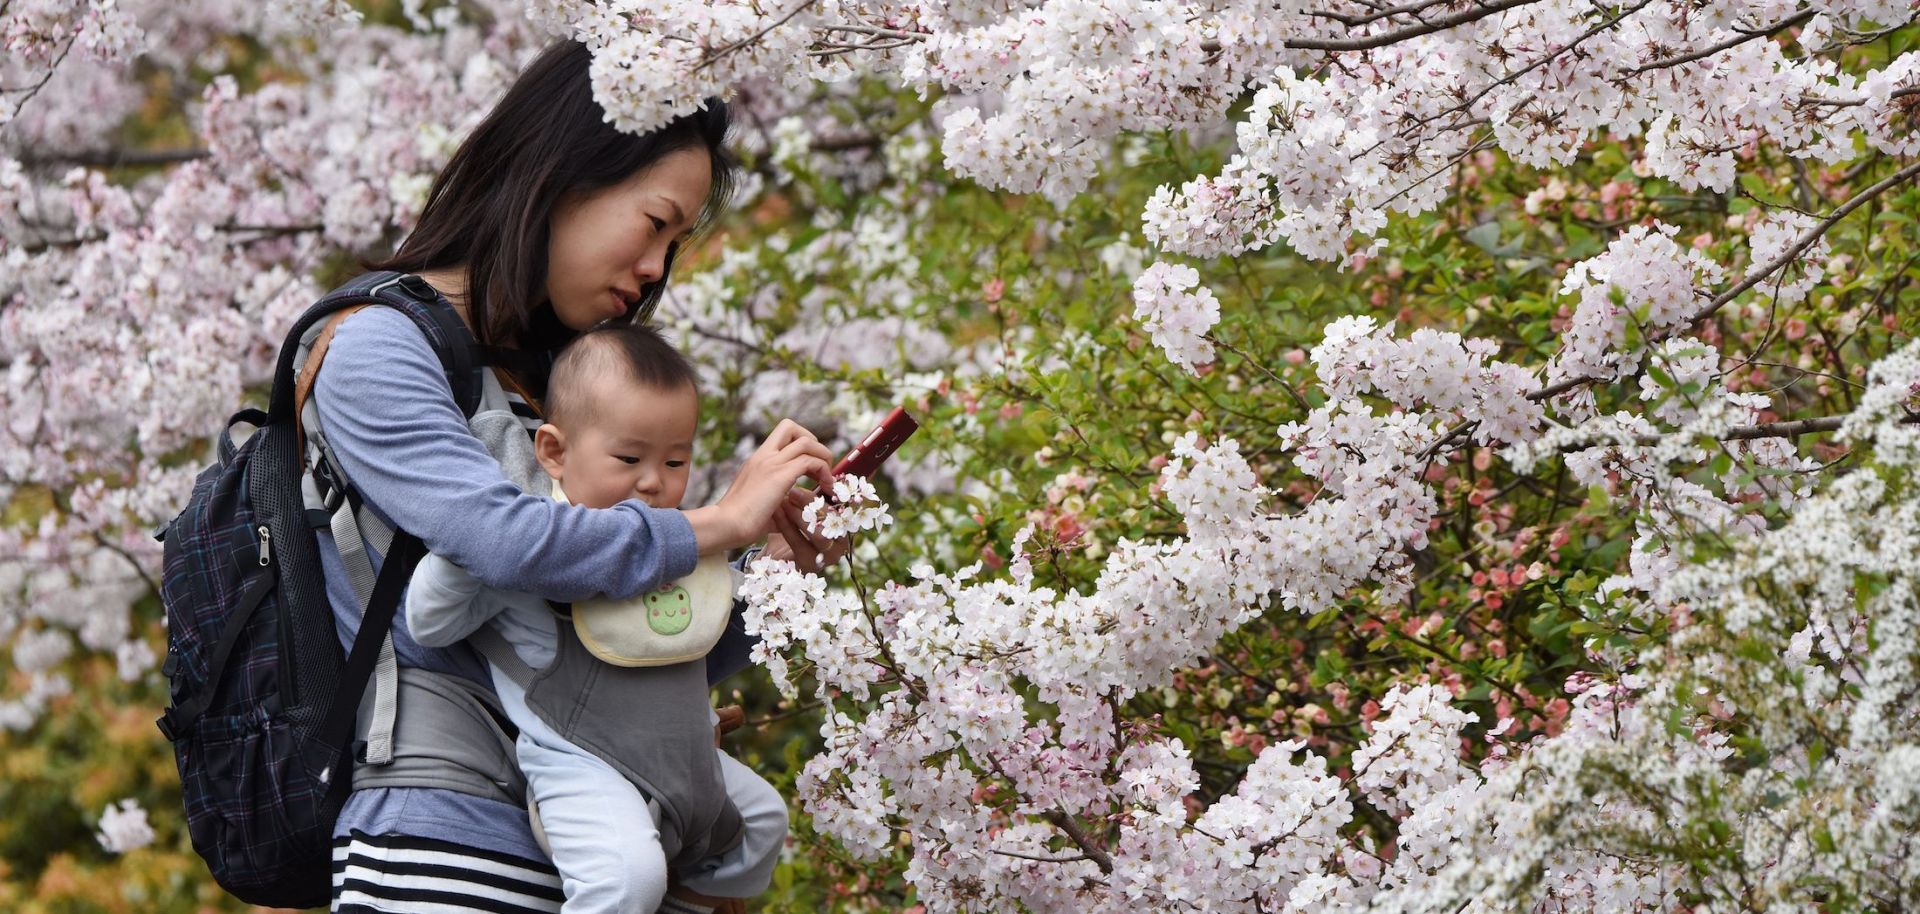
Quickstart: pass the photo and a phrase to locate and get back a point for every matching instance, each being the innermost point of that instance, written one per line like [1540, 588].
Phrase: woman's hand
[762, 488]
[793, 542]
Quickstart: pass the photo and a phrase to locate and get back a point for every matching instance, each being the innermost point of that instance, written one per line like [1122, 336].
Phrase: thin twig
[1467, 104]
[797, 710]
[1297, 398]
[138, 568]
[52, 68]
[1450, 164]
[1039, 859]
[1791, 429]
[876, 32]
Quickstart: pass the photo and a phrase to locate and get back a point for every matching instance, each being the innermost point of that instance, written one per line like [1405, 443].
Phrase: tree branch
[1040, 859]
[1441, 24]
[1065, 823]
[1510, 78]
[1754, 278]
[845, 143]
[876, 32]
[1856, 102]
[1553, 390]
[1738, 40]
[34, 90]
[266, 231]
[113, 157]
[1378, 14]
[756, 36]
[1804, 242]
[1790, 429]
[132, 562]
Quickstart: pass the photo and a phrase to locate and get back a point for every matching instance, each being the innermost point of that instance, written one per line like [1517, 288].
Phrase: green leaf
[1486, 235]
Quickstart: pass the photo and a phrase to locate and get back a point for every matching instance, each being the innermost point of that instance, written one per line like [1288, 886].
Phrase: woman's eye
[658, 223]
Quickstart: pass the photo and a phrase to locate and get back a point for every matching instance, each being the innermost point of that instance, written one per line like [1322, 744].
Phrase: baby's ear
[550, 448]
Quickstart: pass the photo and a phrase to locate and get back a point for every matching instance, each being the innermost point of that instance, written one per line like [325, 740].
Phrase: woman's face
[604, 247]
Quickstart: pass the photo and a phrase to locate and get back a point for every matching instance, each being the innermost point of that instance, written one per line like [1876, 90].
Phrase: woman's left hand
[793, 542]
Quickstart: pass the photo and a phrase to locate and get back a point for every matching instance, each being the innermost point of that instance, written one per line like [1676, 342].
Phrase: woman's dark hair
[490, 208]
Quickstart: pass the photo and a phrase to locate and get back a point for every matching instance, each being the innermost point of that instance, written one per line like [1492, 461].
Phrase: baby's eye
[629, 461]
[675, 464]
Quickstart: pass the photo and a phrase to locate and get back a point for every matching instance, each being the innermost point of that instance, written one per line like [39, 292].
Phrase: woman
[545, 222]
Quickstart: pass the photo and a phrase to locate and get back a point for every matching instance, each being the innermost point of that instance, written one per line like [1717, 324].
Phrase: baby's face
[636, 444]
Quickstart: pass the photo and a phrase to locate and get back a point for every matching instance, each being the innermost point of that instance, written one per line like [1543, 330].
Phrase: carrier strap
[371, 641]
[385, 683]
[493, 646]
[454, 736]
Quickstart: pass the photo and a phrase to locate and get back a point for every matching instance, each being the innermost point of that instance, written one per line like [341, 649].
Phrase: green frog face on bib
[669, 609]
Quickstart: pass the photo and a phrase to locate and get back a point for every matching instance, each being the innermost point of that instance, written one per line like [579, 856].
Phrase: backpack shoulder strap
[404, 292]
[443, 327]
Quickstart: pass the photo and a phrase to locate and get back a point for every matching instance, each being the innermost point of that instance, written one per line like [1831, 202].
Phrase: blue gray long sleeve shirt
[390, 419]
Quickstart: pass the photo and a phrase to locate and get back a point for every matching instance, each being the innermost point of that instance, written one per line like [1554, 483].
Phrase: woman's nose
[650, 267]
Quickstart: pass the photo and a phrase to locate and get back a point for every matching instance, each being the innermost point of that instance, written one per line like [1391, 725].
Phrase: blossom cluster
[853, 507]
[124, 827]
[1643, 280]
[1167, 306]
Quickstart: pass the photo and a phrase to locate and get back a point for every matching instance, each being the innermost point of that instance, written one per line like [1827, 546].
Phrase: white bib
[676, 622]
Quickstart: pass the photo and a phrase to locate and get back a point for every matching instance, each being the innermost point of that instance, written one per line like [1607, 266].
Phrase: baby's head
[621, 410]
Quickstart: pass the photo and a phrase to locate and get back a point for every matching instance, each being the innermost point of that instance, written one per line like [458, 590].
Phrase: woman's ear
[550, 448]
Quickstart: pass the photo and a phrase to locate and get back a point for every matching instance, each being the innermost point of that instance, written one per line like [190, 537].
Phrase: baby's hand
[731, 718]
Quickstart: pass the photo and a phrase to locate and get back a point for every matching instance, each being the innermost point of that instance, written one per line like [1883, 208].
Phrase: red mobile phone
[879, 444]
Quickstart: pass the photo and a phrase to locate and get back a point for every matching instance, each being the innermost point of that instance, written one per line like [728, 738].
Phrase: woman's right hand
[759, 490]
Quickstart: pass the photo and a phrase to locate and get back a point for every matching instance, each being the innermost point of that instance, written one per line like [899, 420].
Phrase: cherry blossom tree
[1603, 443]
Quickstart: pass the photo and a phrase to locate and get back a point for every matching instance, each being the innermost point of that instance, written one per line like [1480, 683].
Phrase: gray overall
[650, 723]
[653, 725]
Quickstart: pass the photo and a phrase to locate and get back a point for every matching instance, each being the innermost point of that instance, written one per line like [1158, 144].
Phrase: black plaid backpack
[263, 699]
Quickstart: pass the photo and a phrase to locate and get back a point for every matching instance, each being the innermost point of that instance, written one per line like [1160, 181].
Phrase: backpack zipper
[284, 636]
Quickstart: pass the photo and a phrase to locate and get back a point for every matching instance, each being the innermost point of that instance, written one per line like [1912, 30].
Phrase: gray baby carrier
[651, 724]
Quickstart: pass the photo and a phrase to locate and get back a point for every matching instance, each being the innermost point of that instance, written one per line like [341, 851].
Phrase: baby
[625, 781]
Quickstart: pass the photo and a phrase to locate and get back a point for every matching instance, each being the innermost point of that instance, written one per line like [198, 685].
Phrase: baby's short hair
[634, 352]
